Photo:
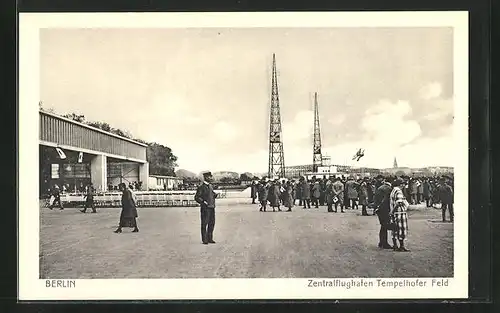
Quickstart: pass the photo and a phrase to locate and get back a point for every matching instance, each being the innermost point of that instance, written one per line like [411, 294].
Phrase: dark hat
[398, 182]
[207, 174]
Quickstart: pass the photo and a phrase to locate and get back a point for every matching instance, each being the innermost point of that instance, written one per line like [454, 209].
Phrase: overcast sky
[205, 92]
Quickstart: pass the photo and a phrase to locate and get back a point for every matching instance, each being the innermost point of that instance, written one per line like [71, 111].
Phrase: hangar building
[91, 155]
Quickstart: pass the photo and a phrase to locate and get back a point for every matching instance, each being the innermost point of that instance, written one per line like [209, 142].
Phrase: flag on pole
[80, 157]
[61, 153]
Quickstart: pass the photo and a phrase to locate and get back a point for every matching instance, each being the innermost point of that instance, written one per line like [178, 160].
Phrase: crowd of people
[345, 192]
[388, 196]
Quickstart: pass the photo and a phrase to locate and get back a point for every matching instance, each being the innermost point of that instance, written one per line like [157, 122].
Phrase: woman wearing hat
[399, 218]
[128, 214]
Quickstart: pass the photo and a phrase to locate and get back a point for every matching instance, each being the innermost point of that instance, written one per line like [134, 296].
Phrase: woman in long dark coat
[274, 195]
[263, 191]
[306, 193]
[129, 211]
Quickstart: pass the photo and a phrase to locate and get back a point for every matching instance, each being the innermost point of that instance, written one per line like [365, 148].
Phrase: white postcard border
[33, 288]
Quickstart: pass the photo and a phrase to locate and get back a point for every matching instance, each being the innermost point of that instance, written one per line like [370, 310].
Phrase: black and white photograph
[243, 156]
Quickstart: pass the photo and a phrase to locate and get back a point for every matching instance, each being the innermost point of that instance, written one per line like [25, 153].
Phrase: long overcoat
[129, 209]
[351, 187]
[329, 192]
[363, 194]
[274, 195]
[427, 189]
[263, 190]
[288, 196]
[316, 190]
[306, 191]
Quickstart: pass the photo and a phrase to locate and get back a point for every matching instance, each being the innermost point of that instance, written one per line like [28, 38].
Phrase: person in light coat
[287, 196]
[352, 192]
[363, 196]
[316, 193]
[274, 195]
[306, 193]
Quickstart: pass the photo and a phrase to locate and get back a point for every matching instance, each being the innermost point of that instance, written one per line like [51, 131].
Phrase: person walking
[128, 214]
[206, 196]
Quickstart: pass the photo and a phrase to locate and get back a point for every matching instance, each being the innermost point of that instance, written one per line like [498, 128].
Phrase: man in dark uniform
[253, 191]
[382, 209]
[446, 197]
[322, 197]
[205, 196]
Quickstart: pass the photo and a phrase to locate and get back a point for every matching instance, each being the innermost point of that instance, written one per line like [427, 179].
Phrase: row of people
[346, 192]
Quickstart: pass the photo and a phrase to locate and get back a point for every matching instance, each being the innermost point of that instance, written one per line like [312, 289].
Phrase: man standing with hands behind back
[205, 196]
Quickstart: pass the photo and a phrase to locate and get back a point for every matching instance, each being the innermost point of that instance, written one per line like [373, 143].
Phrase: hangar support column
[98, 172]
[144, 175]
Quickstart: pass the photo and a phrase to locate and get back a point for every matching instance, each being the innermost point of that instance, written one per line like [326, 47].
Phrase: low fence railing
[144, 198]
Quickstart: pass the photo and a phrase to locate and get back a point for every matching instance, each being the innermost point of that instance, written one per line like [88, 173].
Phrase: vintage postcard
[243, 156]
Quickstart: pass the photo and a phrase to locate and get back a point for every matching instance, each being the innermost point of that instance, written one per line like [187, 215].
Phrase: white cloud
[386, 125]
[431, 91]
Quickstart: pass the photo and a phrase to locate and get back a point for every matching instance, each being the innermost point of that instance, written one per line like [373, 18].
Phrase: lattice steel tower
[317, 156]
[276, 157]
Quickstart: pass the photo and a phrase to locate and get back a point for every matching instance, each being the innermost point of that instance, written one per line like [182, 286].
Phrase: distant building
[440, 169]
[159, 182]
[297, 171]
[335, 170]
